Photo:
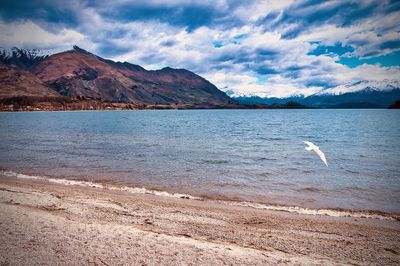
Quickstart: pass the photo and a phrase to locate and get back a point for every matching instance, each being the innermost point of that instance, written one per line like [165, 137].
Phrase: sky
[268, 48]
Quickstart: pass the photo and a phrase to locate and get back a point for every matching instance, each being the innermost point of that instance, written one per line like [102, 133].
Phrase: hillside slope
[82, 76]
[79, 73]
[16, 83]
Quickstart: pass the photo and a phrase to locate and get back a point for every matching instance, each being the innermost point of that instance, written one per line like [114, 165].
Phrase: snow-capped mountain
[23, 58]
[363, 86]
[358, 95]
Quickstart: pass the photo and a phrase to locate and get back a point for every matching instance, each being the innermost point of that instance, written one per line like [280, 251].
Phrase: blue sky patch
[392, 59]
[218, 44]
[261, 80]
[337, 49]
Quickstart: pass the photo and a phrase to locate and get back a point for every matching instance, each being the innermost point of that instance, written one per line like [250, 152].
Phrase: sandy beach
[46, 223]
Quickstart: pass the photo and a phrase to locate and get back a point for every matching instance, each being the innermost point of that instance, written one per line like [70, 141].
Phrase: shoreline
[54, 104]
[52, 223]
[333, 212]
[184, 109]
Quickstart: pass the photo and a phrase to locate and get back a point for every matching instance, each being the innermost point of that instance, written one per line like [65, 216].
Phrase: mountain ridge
[82, 77]
[366, 98]
[21, 58]
[79, 74]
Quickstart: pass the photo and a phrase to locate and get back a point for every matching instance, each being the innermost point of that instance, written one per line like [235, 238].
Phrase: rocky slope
[16, 82]
[78, 74]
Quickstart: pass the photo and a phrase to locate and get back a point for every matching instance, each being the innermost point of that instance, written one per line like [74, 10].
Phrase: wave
[309, 189]
[323, 212]
[214, 161]
[134, 190]
[141, 190]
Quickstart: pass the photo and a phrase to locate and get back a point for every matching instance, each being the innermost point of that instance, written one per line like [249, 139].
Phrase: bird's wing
[322, 156]
[308, 143]
[311, 146]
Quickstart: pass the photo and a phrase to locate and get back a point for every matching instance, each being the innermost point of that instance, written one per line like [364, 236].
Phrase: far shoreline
[166, 108]
[57, 104]
[181, 109]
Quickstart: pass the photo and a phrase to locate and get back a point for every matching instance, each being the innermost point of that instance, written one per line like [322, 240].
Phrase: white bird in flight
[313, 147]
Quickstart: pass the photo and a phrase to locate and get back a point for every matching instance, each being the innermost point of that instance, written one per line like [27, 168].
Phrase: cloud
[187, 14]
[263, 47]
[302, 16]
[49, 15]
[30, 35]
[364, 25]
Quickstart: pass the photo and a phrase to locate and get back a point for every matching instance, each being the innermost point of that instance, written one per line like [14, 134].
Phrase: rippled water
[246, 155]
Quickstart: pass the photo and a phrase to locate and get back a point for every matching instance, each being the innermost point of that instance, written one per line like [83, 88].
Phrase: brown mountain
[78, 74]
[16, 83]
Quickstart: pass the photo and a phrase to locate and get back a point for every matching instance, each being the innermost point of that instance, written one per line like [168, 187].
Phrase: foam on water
[325, 212]
[135, 190]
[142, 190]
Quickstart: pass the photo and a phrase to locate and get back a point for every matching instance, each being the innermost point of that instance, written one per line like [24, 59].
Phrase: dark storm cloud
[391, 45]
[46, 13]
[190, 15]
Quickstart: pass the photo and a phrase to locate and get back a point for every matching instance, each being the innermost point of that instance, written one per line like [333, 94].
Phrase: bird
[313, 147]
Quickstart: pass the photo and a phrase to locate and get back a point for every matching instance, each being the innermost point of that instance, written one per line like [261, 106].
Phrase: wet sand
[48, 223]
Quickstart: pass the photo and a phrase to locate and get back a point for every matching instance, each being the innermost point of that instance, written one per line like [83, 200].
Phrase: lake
[240, 155]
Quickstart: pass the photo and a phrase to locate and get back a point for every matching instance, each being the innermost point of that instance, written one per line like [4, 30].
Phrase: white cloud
[243, 48]
[256, 10]
[30, 35]
[195, 51]
[366, 37]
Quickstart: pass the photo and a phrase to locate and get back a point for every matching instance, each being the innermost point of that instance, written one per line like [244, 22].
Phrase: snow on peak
[365, 86]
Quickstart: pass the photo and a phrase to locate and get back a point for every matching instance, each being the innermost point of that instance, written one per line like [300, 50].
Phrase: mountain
[81, 75]
[22, 58]
[364, 98]
[18, 82]
[395, 105]
[287, 105]
[268, 101]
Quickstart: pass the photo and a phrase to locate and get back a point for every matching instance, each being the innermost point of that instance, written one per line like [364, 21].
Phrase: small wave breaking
[321, 212]
[134, 190]
[254, 205]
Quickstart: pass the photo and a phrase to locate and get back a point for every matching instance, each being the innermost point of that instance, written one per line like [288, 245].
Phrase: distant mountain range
[77, 79]
[365, 98]
[79, 76]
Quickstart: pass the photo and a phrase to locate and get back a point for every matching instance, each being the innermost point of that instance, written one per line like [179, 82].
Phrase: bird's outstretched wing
[322, 156]
[308, 143]
[311, 146]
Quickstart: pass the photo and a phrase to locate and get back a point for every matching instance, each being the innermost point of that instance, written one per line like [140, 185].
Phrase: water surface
[245, 155]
